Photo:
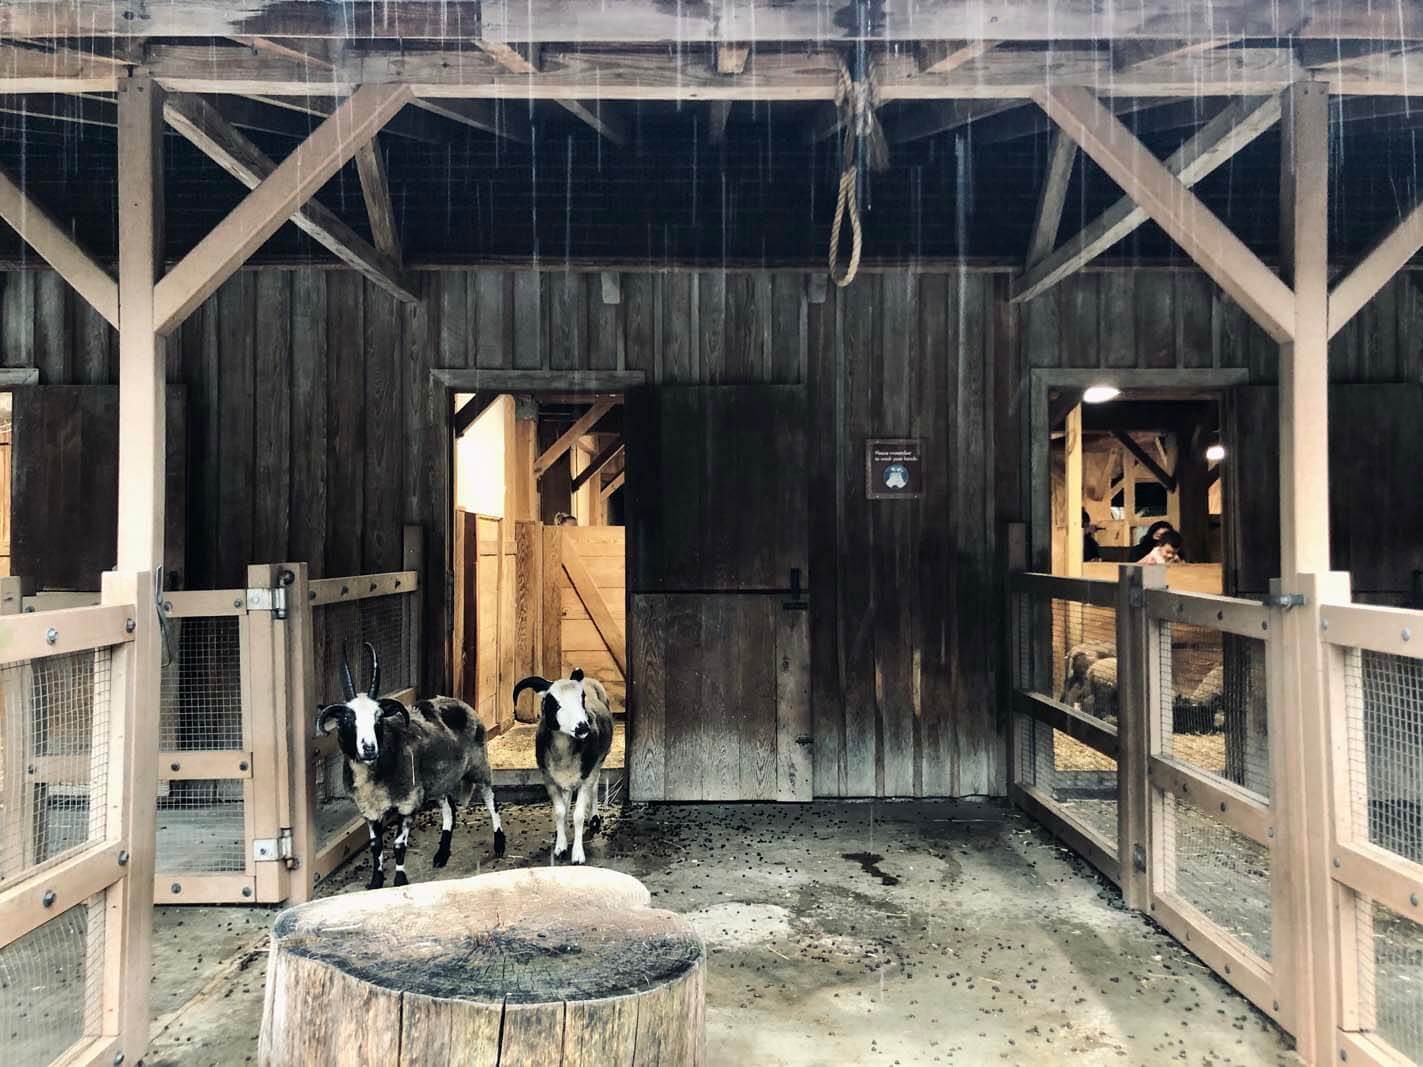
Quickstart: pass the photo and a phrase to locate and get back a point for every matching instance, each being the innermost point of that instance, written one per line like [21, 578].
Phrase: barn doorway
[539, 560]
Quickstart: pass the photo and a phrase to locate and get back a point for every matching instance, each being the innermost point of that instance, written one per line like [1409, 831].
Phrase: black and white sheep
[397, 762]
[574, 736]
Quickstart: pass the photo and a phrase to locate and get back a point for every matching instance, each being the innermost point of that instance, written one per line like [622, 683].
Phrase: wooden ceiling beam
[593, 111]
[1146, 113]
[584, 424]
[944, 57]
[1387, 257]
[203, 125]
[263, 211]
[655, 21]
[1235, 127]
[614, 484]
[1127, 55]
[1145, 459]
[46, 235]
[476, 406]
[256, 109]
[375, 191]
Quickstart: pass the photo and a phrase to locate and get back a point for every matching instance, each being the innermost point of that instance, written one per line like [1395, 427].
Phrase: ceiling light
[1100, 394]
[1216, 452]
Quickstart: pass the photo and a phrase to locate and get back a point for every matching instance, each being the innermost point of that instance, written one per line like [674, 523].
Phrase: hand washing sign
[892, 468]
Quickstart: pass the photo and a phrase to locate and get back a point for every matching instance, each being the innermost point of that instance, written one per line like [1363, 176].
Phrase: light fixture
[1215, 451]
[1100, 394]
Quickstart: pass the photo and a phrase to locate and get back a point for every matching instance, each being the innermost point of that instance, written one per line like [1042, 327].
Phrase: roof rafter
[593, 111]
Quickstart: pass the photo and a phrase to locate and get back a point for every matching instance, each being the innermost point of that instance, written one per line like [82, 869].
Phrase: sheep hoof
[578, 858]
[442, 857]
[595, 824]
[377, 881]
[561, 853]
[498, 844]
[400, 879]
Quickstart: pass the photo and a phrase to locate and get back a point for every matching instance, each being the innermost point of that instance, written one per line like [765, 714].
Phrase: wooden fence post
[1135, 708]
[269, 787]
[551, 613]
[413, 559]
[300, 705]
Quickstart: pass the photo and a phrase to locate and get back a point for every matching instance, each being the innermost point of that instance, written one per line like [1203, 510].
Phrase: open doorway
[1134, 470]
[539, 560]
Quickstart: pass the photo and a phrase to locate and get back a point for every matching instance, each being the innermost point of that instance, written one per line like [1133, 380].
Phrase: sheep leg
[401, 840]
[560, 816]
[377, 832]
[580, 811]
[447, 826]
[595, 821]
[488, 791]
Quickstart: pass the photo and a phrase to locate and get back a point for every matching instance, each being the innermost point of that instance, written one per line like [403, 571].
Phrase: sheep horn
[374, 690]
[328, 713]
[534, 682]
[347, 682]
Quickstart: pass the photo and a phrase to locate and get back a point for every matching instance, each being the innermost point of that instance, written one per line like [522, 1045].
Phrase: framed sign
[893, 468]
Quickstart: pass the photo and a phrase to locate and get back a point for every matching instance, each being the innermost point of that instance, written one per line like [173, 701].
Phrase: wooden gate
[78, 723]
[717, 536]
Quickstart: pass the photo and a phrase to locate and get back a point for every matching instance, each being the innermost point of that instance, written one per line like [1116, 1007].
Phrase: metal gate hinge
[273, 600]
[264, 848]
[271, 849]
[1284, 600]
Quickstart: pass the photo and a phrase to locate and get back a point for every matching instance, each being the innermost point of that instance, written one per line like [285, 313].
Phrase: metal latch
[1284, 600]
[797, 602]
[264, 848]
[273, 600]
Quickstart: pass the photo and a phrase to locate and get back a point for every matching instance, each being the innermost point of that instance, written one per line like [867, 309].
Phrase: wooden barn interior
[514, 338]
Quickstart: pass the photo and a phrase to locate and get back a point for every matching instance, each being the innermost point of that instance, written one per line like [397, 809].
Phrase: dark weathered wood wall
[314, 435]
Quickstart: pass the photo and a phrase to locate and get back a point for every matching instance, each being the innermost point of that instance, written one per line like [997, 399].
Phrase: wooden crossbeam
[482, 115]
[1240, 123]
[597, 463]
[201, 124]
[477, 405]
[44, 233]
[1166, 113]
[585, 423]
[414, 124]
[657, 22]
[594, 111]
[1130, 54]
[1203, 237]
[731, 58]
[1373, 272]
[262, 212]
[306, 54]
[613, 485]
[1145, 459]
[375, 190]
[1053, 198]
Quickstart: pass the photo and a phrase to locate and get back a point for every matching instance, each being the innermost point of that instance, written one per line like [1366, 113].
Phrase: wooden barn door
[1376, 510]
[719, 634]
[65, 485]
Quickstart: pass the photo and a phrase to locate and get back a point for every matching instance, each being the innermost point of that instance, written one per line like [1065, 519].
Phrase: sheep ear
[389, 708]
[577, 675]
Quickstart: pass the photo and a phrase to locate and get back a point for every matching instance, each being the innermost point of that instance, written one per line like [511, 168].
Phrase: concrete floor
[895, 934]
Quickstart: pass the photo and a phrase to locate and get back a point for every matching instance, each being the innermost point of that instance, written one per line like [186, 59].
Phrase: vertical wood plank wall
[314, 436]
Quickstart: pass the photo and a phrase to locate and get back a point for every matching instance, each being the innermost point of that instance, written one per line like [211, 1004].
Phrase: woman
[1151, 539]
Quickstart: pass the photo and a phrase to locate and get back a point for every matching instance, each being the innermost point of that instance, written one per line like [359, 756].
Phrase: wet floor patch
[870, 863]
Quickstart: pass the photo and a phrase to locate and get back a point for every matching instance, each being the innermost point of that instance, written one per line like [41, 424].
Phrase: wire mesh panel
[1212, 693]
[202, 822]
[1221, 873]
[1385, 706]
[1391, 977]
[1071, 654]
[54, 761]
[50, 983]
[1078, 779]
[202, 686]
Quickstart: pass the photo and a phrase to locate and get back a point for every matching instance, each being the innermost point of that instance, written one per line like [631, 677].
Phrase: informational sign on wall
[893, 468]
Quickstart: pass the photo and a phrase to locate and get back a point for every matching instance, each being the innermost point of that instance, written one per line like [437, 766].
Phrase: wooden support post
[1172, 206]
[375, 190]
[412, 558]
[1134, 731]
[550, 663]
[142, 418]
[134, 686]
[1073, 491]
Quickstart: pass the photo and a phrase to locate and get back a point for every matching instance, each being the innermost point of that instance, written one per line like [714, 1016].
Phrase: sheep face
[564, 709]
[361, 720]
[361, 724]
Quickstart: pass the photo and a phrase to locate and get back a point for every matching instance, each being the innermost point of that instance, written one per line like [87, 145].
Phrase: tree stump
[545, 966]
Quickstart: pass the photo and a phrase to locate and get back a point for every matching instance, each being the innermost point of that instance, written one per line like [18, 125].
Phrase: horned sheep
[398, 762]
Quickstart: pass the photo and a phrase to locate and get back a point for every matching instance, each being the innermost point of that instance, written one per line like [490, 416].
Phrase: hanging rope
[863, 144]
